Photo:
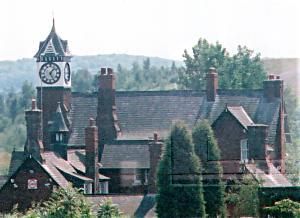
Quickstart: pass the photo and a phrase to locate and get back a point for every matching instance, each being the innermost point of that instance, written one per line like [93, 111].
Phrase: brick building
[111, 141]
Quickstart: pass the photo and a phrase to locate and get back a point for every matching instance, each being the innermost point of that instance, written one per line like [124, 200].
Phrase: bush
[108, 210]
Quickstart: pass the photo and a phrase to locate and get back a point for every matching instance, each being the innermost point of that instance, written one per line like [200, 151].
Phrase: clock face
[50, 73]
[67, 73]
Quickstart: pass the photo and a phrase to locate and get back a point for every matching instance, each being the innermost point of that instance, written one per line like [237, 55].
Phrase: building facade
[111, 141]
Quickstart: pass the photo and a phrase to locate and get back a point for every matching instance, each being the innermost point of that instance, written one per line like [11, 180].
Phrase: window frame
[244, 150]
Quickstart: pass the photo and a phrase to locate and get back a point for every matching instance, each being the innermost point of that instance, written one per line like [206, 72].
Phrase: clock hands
[50, 73]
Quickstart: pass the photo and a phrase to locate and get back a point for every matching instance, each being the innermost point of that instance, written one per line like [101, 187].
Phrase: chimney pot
[155, 136]
[212, 70]
[271, 77]
[33, 104]
[109, 71]
[92, 122]
[277, 77]
[103, 71]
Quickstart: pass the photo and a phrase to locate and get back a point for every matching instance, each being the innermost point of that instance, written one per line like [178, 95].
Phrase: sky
[161, 28]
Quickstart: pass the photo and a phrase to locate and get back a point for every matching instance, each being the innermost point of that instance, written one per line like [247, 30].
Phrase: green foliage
[285, 208]
[108, 210]
[185, 200]
[244, 196]
[147, 77]
[67, 203]
[292, 149]
[27, 94]
[15, 73]
[207, 149]
[82, 81]
[13, 135]
[136, 78]
[241, 70]
[269, 195]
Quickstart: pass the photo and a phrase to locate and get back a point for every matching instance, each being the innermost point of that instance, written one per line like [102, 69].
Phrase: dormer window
[244, 150]
[59, 137]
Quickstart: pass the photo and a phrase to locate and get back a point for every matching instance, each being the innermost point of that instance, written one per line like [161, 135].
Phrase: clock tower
[53, 60]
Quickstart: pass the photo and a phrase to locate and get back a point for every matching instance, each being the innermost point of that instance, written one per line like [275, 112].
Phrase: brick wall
[91, 157]
[17, 192]
[122, 181]
[50, 97]
[229, 133]
[107, 120]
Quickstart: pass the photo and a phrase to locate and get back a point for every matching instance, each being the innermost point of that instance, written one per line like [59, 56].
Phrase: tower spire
[53, 25]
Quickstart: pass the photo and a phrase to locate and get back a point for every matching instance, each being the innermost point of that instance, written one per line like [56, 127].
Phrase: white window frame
[59, 137]
[137, 181]
[146, 177]
[32, 184]
[244, 150]
[87, 187]
[103, 187]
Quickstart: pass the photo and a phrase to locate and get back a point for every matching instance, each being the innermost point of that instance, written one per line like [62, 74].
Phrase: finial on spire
[53, 22]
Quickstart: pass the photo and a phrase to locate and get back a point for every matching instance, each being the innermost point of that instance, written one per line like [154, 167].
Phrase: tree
[242, 70]
[108, 210]
[180, 191]
[284, 209]
[243, 196]
[207, 149]
[82, 81]
[68, 203]
[13, 109]
[2, 104]
[26, 95]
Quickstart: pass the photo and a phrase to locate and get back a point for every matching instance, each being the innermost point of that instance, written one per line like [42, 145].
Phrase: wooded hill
[14, 73]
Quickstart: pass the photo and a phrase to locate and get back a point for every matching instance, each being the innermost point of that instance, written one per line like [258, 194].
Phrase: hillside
[14, 73]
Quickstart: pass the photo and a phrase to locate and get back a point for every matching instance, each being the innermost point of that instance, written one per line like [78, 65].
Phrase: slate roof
[84, 106]
[139, 206]
[3, 180]
[76, 158]
[144, 112]
[17, 158]
[241, 115]
[58, 122]
[59, 46]
[63, 166]
[126, 156]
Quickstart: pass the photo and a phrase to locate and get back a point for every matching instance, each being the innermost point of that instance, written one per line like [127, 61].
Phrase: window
[138, 177]
[104, 187]
[244, 150]
[146, 177]
[87, 188]
[31, 184]
[58, 137]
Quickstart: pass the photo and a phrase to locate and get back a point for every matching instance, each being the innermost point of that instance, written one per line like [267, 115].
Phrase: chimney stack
[211, 84]
[273, 88]
[107, 120]
[155, 150]
[33, 119]
[257, 144]
[257, 140]
[91, 154]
